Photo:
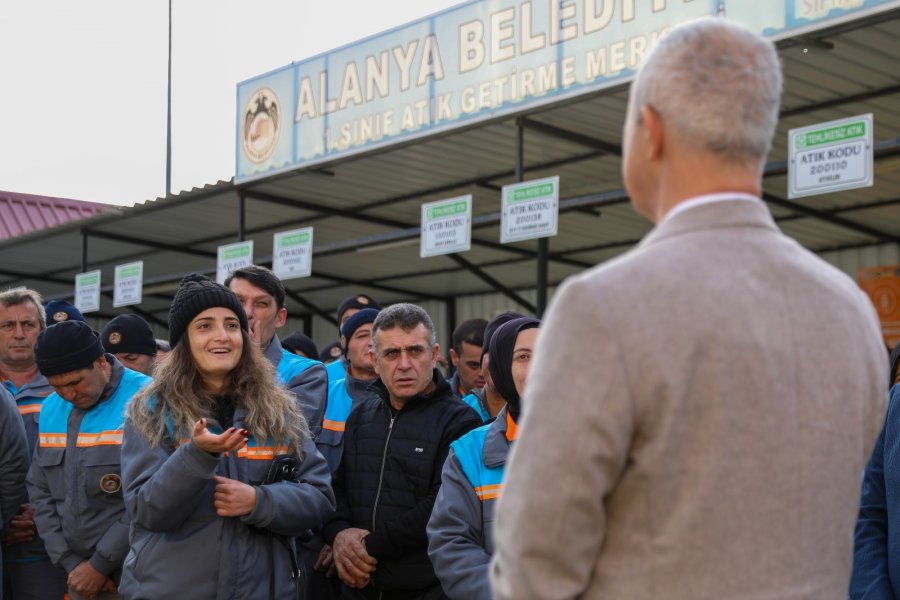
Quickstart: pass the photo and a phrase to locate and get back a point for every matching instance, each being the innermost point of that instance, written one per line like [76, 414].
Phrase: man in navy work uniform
[348, 307]
[390, 473]
[75, 479]
[130, 339]
[262, 295]
[28, 573]
[465, 355]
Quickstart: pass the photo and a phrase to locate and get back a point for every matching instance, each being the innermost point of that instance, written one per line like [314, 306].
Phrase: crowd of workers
[695, 425]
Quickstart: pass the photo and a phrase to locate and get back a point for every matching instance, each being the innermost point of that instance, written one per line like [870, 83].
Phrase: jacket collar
[714, 215]
[442, 388]
[274, 351]
[496, 446]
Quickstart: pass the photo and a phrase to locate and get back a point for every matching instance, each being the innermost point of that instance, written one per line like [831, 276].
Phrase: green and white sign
[292, 253]
[446, 226]
[829, 157]
[530, 210]
[129, 283]
[232, 257]
[87, 291]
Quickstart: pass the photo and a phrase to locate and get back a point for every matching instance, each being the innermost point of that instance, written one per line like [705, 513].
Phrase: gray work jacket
[460, 530]
[180, 547]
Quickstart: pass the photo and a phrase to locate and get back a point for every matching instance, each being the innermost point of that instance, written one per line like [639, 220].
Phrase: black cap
[359, 301]
[66, 347]
[196, 294]
[60, 310]
[128, 334]
[300, 342]
[331, 352]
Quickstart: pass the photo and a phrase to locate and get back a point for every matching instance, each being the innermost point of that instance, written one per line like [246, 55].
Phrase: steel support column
[242, 216]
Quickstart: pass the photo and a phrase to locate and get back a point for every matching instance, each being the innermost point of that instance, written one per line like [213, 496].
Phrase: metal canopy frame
[558, 140]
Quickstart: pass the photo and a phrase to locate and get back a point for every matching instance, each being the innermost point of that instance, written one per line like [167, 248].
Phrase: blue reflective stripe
[339, 402]
[469, 451]
[290, 365]
[472, 400]
[106, 416]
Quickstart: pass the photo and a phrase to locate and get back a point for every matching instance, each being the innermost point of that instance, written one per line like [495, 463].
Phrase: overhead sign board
[480, 60]
[529, 210]
[129, 282]
[292, 253]
[231, 257]
[446, 226]
[832, 156]
[87, 291]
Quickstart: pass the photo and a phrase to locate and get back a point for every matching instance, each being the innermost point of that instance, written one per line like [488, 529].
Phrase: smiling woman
[200, 446]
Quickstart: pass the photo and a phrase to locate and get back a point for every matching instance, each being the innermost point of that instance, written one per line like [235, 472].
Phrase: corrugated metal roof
[24, 213]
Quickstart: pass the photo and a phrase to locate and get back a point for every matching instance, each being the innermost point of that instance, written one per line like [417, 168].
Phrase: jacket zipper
[383, 461]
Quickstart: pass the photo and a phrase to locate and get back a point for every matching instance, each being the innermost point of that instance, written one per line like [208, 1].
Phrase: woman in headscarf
[460, 531]
[219, 470]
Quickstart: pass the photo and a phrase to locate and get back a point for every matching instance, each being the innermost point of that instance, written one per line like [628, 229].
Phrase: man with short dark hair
[130, 339]
[75, 479]
[394, 449]
[262, 295]
[465, 355]
[28, 572]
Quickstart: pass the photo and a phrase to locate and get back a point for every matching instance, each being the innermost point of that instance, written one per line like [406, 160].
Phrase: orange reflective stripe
[29, 409]
[333, 425]
[512, 430]
[261, 452]
[52, 440]
[104, 438]
[488, 492]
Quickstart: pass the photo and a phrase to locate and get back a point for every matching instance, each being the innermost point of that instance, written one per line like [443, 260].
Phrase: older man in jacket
[711, 443]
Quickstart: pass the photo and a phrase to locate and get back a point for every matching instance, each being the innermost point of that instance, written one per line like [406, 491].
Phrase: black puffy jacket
[389, 476]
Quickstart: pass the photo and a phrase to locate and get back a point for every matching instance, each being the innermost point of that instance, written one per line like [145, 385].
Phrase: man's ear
[653, 132]
[374, 359]
[281, 317]
[454, 357]
[436, 353]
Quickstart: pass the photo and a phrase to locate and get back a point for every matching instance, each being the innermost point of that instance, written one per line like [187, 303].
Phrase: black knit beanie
[196, 294]
[300, 342]
[366, 315]
[359, 301]
[127, 334]
[503, 344]
[66, 347]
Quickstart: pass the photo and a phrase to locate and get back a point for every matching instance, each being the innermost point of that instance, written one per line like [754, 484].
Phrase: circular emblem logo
[111, 483]
[335, 352]
[115, 337]
[261, 125]
[362, 300]
[60, 316]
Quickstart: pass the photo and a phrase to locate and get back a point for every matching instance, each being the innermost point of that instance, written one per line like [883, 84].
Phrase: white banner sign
[292, 253]
[232, 257]
[829, 157]
[128, 284]
[530, 210]
[87, 291]
[446, 226]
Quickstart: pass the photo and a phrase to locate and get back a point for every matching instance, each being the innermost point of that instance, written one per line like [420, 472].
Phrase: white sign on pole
[128, 284]
[831, 156]
[87, 291]
[232, 257]
[292, 253]
[530, 210]
[446, 226]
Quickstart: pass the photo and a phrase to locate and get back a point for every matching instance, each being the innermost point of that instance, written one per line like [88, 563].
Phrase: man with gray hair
[390, 472]
[723, 386]
[28, 573]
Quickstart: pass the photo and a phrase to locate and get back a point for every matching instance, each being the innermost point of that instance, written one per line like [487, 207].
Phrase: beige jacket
[696, 423]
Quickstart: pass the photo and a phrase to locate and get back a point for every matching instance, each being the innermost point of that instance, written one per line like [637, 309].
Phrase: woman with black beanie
[460, 531]
[219, 470]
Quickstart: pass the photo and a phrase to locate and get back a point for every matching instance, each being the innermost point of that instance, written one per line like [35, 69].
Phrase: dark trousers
[34, 580]
[369, 593]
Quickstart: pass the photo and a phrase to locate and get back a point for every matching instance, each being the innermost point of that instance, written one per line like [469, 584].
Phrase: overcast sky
[83, 96]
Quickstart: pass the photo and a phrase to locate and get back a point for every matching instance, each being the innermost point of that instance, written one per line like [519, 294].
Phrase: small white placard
[232, 257]
[292, 253]
[87, 291]
[446, 226]
[832, 156]
[530, 210]
[129, 283]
